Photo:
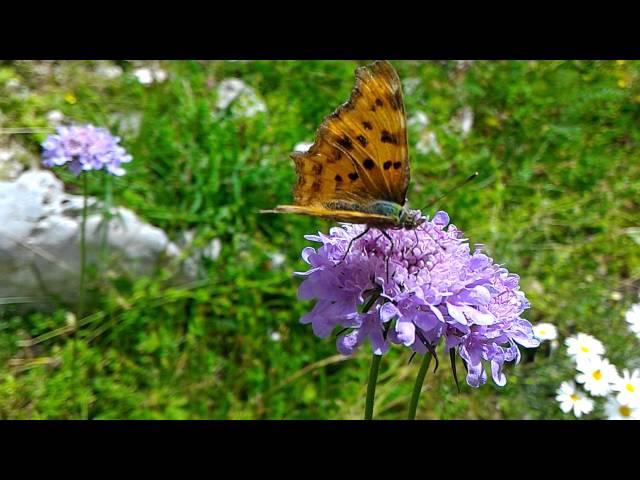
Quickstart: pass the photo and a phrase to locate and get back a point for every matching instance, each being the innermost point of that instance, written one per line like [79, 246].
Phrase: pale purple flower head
[436, 289]
[84, 148]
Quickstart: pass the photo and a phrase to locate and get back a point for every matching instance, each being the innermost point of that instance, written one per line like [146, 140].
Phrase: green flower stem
[417, 388]
[375, 366]
[106, 220]
[81, 296]
[371, 386]
[83, 247]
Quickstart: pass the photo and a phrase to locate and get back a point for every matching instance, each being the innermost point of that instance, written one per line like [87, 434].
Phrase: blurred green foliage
[557, 147]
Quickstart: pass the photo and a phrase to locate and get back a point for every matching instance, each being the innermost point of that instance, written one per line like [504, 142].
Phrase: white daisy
[616, 410]
[628, 387]
[572, 399]
[583, 346]
[632, 317]
[597, 375]
[545, 331]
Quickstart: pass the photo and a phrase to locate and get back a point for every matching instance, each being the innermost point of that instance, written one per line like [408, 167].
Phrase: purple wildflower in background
[436, 289]
[85, 148]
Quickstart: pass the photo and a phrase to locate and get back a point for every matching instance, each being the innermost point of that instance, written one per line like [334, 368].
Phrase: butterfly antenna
[460, 185]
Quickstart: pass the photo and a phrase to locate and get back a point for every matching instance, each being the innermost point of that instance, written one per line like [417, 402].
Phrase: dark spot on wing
[387, 164]
[338, 178]
[353, 176]
[387, 137]
[337, 155]
[367, 125]
[397, 165]
[379, 102]
[362, 139]
[345, 142]
[368, 164]
[315, 186]
[316, 169]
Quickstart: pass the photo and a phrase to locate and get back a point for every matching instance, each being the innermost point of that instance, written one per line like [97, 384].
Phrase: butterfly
[357, 170]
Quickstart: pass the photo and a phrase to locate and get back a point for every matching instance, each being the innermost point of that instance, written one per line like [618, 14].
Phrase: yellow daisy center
[624, 411]
[584, 349]
[542, 333]
[574, 397]
[630, 387]
[597, 374]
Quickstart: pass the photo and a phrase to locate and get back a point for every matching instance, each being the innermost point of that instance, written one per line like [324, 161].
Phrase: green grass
[557, 147]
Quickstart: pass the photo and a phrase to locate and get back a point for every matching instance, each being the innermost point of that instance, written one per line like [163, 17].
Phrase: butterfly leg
[351, 243]
[386, 267]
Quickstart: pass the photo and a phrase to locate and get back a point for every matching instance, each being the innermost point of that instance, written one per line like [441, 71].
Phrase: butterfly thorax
[396, 215]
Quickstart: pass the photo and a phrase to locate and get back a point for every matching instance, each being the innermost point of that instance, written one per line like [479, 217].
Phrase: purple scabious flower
[84, 147]
[436, 289]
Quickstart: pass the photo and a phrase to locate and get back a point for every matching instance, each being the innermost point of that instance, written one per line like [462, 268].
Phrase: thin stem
[417, 388]
[371, 386]
[83, 246]
[106, 220]
[375, 364]
[80, 310]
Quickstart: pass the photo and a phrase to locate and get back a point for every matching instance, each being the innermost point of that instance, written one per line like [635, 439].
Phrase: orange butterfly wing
[360, 154]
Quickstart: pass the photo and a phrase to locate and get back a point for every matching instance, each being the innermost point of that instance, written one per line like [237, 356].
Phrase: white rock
[147, 75]
[128, 123]
[108, 71]
[428, 143]
[212, 251]
[419, 119]
[277, 259]
[13, 160]
[410, 84]
[55, 117]
[144, 75]
[235, 93]
[40, 239]
[13, 84]
[228, 91]
[463, 121]
[464, 65]
[160, 75]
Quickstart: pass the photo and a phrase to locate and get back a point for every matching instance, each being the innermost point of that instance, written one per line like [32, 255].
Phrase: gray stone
[13, 159]
[40, 228]
[242, 99]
